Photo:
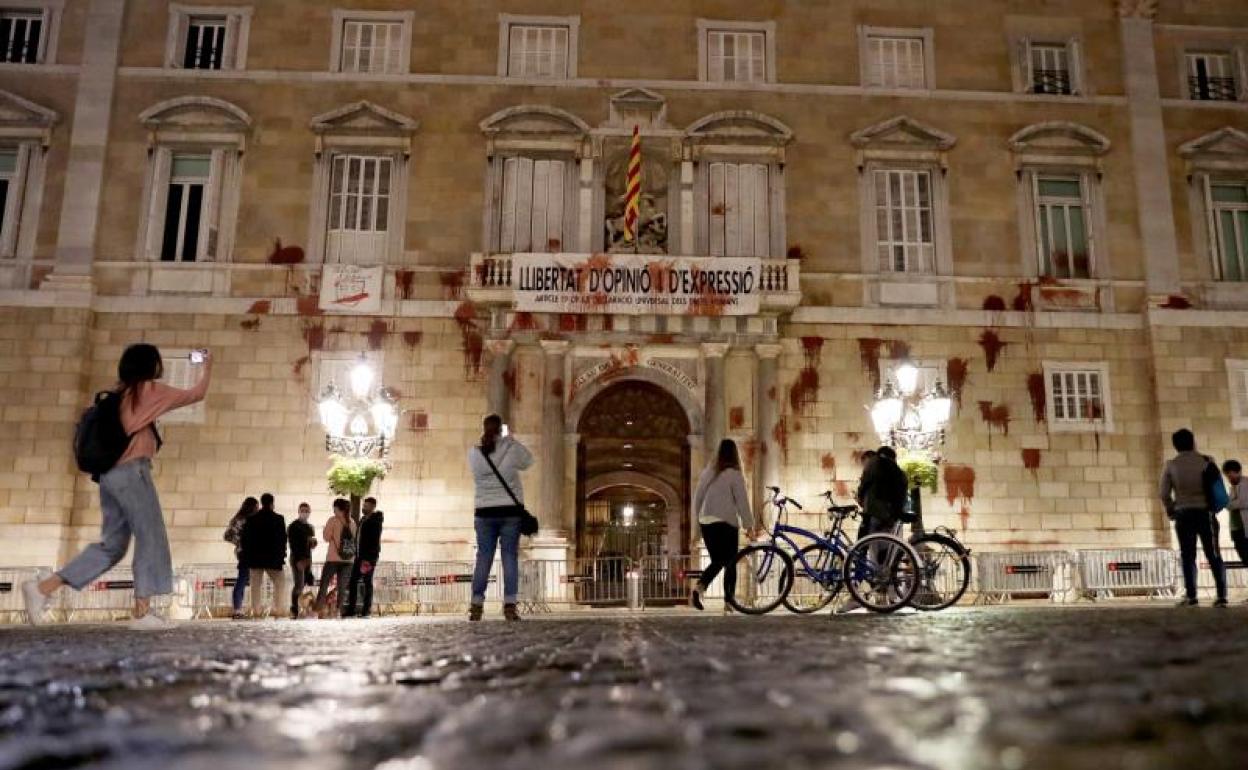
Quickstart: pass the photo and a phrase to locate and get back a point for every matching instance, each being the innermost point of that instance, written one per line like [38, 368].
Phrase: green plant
[354, 477]
[921, 472]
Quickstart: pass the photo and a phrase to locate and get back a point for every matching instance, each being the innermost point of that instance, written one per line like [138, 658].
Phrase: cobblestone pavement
[999, 688]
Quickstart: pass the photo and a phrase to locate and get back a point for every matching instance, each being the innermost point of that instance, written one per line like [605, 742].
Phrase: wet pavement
[997, 688]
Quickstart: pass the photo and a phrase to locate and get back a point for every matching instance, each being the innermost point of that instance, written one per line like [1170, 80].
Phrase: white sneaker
[36, 603]
[151, 622]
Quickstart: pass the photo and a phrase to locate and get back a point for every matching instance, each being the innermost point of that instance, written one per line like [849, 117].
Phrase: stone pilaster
[766, 415]
[1154, 206]
[716, 417]
[554, 455]
[498, 394]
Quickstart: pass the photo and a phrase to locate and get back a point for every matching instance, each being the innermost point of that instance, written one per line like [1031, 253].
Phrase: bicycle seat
[840, 509]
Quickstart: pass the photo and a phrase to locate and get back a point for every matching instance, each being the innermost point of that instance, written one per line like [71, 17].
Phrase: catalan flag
[632, 199]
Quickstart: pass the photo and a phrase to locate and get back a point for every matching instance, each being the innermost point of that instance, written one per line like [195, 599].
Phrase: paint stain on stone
[1177, 302]
[556, 387]
[260, 307]
[1023, 301]
[956, 371]
[853, 437]
[828, 463]
[736, 418]
[521, 322]
[573, 322]
[841, 489]
[413, 339]
[314, 335]
[994, 303]
[995, 416]
[297, 368]
[473, 342]
[1031, 460]
[1038, 396]
[992, 344]
[308, 304]
[509, 381]
[661, 339]
[403, 283]
[417, 421]
[285, 255]
[376, 334]
[453, 283]
[959, 484]
[750, 450]
[780, 434]
[869, 358]
[249, 325]
[795, 252]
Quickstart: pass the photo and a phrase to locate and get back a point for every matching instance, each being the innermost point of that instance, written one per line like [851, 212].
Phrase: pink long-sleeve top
[143, 405]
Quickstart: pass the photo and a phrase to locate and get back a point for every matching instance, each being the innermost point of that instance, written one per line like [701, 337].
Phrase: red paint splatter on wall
[285, 255]
[250, 325]
[314, 335]
[995, 416]
[804, 391]
[841, 489]
[869, 358]
[471, 338]
[556, 387]
[853, 437]
[509, 382]
[573, 322]
[795, 252]
[828, 463]
[991, 342]
[297, 368]
[661, 339]
[956, 371]
[964, 516]
[413, 339]
[780, 434]
[959, 483]
[1031, 459]
[523, 322]
[308, 304]
[403, 283]
[417, 421]
[898, 350]
[1039, 398]
[771, 393]
[260, 307]
[1177, 302]
[736, 418]
[1023, 301]
[376, 334]
[453, 283]
[994, 303]
[750, 449]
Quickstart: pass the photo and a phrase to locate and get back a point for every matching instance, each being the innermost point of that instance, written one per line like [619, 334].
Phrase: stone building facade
[1043, 205]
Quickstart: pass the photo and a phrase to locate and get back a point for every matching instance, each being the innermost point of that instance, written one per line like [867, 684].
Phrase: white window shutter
[1025, 65]
[537, 222]
[507, 206]
[515, 51]
[875, 62]
[1074, 62]
[161, 163]
[718, 208]
[550, 238]
[210, 218]
[13, 206]
[229, 48]
[1211, 222]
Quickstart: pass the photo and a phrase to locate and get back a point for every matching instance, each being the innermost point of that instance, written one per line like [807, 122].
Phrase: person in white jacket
[499, 511]
[723, 508]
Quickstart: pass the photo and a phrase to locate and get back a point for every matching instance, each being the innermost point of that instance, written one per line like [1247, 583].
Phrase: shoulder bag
[528, 522]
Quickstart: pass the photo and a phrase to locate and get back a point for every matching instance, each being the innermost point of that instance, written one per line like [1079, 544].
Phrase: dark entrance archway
[632, 473]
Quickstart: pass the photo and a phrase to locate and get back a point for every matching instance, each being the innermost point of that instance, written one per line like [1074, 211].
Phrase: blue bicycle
[880, 570]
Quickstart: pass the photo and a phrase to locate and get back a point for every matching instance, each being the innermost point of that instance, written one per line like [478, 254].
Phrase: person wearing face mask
[302, 539]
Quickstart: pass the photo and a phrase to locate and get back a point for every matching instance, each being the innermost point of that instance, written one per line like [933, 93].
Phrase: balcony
[1211, 89]
[493, 282]
[1055, 82]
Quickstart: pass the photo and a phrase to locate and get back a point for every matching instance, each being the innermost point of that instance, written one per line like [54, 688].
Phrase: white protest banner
[351, 289]
[636, 284]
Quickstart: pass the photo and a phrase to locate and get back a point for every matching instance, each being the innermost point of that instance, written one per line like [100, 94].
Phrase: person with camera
[495, 464]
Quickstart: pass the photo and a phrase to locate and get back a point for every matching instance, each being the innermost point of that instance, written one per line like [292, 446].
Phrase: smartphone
[506, 430]
[197, 356]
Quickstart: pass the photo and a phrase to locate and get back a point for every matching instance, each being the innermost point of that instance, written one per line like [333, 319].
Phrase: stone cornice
[1137, 9]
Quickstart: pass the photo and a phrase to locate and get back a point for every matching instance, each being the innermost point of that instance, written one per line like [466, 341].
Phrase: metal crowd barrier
[1127, 572]
[1236, 574]
[1004, 576]
[208, 589]
[669, 579]
[12, 608]
[109, 597]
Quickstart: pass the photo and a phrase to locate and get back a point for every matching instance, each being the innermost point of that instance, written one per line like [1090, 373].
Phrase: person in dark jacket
[366, 559]
[264, 554]
[302, 539]
[882, 492]
[234, 536]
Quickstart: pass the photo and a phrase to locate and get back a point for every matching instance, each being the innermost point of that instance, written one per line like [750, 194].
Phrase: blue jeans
[240, 587]
[130, 507]
[490, 530]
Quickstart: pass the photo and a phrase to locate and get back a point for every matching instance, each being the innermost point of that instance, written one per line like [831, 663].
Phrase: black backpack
[99, 438]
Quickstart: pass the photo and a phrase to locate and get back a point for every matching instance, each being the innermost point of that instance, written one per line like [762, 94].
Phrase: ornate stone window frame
[1106, 422]
[1020, 61]
[49, 35]
[1220, 155]
[906, 144]
[926, 34]
[766, 28]
[1232, 41]
[237, 32]
[26, 128]
[365, 128]
[202, 125]
[1067, 149]
[539, 132]
[734, 136]
[507, 20]
[343, 15]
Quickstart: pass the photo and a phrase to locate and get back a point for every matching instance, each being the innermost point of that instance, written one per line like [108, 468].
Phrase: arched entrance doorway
[632, 473]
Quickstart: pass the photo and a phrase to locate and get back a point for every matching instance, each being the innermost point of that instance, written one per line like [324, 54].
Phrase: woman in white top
[723, 508]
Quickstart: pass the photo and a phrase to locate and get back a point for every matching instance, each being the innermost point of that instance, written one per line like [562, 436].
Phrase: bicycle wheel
[764, 577]
[816, 579]
[881, 571]
[944, 571]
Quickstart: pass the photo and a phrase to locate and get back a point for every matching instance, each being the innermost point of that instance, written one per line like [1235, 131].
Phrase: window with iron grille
[372, 46]
[204, 48]
[1050, 67]
[895, 62]
[1211, 76]
[537, 51]
[1228, 218]
[207, 37]
[21, 34]
[1062, 226]
[1078, 396]
[738, 56]
[359, 208]
[903, 213]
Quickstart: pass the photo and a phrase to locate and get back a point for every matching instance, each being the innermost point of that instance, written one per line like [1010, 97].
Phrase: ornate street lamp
[359, 423]
[907, 418]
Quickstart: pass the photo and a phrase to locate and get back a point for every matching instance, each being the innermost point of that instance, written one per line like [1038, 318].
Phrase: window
[181, 373]
[1237, 386]
[538, 46]
[189, 178]
[23, 154]
[736, 52]
[1211, 76]
[531, 214]
[1050, 70]
[359, 209]
[208, 37]
[740, 211]
[1228, 207]
[1078, 397]
[903, 216]
[1061, 226]
[896, 58]
[8, 180]
[372, 42]
[28, 30]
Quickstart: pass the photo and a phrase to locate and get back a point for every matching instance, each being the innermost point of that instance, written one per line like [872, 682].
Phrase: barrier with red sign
[1032, 574]
[1136, 572]
[11, 578]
